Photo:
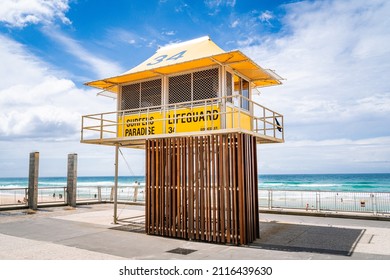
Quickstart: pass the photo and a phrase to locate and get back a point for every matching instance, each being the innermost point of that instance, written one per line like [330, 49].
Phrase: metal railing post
[82, 128]
[135, 195]
[174, 119]
[318, 201]
[99, 194]
[274, 123]
[269, 199]
[101, 126]
[123, 123]
[374, 206]
[147, 122]
[264, 123]
[25, 200]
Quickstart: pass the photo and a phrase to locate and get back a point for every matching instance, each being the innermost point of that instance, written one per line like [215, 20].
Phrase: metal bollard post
[318, 201]
[100, 194]
[135, 196]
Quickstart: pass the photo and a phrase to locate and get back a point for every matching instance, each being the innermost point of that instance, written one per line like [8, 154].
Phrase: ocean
[320, 182]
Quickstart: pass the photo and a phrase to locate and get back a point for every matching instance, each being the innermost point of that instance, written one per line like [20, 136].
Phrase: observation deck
[186, 89]
[212, 116]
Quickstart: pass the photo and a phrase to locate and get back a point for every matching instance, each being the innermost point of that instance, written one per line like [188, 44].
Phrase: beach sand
[18, 198]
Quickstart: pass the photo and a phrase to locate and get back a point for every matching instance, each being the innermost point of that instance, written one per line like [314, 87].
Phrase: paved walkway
[87, 232]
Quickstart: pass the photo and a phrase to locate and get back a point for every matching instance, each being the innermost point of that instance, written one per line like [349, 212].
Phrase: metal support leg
[116, 186]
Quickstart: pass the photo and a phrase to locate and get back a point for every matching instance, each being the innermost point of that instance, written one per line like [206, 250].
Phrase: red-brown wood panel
[203, 188]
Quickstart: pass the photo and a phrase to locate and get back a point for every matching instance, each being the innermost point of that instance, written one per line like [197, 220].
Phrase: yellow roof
[198, 53]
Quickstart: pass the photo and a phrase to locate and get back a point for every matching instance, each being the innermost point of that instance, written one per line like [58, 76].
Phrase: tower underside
[203, 188]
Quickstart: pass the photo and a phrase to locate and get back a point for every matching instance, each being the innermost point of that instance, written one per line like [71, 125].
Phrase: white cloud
[217, 3]
[328, 156]
[169, 33]
[35, 103]
[235, 23]
[182, 7]
[124, 36]
[41, 111]
[102, 68]
[333, 56]
[13, 68]
[336, 99]
[17, 13]
[266, 16]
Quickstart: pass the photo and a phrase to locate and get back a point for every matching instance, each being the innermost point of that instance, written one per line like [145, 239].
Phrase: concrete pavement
[87, 233]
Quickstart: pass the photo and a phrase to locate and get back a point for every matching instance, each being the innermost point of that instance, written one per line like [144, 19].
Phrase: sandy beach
[18, 197]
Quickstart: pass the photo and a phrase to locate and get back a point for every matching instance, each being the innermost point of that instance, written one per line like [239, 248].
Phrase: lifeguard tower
[190, 107]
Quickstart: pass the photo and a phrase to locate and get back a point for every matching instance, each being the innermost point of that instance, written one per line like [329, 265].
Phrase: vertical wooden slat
[166, 184]
[213, 187]
[147, 167]
[249, 189]
[217, 186]
[241, 190]
[202, 188]
[246, 193]
[173, 190]
[207, 188]
[185, 188]
[191, 189]
[163, 172]
[235, 191]
[196, 188]
[170, 189]
[256, 189]
[221, 186]
[227, 188]
[157, 184]
[153, 184]
[178, 188]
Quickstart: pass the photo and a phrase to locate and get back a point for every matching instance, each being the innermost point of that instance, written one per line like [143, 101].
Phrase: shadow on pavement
[288, 237]
[307, 238]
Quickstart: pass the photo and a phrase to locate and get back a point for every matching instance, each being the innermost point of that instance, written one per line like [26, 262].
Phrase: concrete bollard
[72, 180]
[33, 181]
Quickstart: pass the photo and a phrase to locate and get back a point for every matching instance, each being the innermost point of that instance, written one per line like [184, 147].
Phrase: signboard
[140, 124]
[175, 121]
[196, 119]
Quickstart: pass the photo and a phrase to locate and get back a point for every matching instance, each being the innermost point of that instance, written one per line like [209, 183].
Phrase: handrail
[265, 122]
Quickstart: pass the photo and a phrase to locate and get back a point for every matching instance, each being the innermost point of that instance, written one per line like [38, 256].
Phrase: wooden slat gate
[203, 188]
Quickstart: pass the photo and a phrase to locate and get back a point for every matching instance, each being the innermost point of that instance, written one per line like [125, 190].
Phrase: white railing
[263, 122]
[326, 201]
[14, 197]
[311, 201]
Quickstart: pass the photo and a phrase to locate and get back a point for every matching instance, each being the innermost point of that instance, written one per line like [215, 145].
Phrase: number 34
[163, 57]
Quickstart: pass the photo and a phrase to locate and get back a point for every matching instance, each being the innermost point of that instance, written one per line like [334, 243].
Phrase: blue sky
[334, 55]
